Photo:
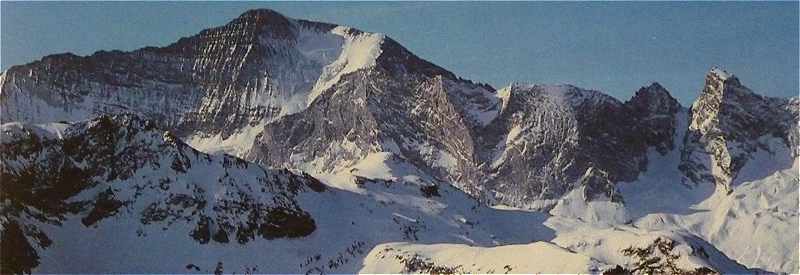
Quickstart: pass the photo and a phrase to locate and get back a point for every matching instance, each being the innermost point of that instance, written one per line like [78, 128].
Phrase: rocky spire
[726, 123]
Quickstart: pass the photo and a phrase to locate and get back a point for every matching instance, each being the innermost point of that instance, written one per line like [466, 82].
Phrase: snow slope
[755, 223]
[537, 257]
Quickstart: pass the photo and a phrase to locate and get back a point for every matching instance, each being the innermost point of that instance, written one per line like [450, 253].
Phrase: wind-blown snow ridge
[360, 51]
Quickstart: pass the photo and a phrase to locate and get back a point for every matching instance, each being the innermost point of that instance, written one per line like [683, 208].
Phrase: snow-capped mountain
[215, 86]
[273, 144]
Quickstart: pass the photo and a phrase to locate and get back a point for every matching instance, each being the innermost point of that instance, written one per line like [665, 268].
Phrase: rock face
[729, 124]
[655, 111]
[121, 165]
[411, 108]
[546, 139]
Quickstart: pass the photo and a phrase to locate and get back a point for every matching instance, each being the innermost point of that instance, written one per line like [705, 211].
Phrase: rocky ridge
[114, 167]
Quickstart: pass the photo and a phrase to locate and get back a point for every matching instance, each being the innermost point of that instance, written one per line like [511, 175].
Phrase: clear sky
[612, 47]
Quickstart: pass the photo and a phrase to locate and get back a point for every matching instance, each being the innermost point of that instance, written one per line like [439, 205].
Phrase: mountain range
[281, 145]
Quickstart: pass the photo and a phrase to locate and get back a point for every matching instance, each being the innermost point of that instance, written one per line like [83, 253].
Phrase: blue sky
[612, 47]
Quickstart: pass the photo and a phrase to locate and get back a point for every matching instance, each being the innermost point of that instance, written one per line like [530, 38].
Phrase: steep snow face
[236, 144]
[728, 126]
[323, 58]
[360, 51]
[215, 86]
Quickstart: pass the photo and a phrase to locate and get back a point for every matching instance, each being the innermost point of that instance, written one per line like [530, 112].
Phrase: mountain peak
[719, 75]
[655, 87]
[263, 16]
[253, 22]
[654, 99]
[656, 111]
[653, 90]
[262, 12]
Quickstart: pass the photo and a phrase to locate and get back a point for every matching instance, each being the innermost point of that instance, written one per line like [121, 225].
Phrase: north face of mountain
[213, 85]
[121, 168]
